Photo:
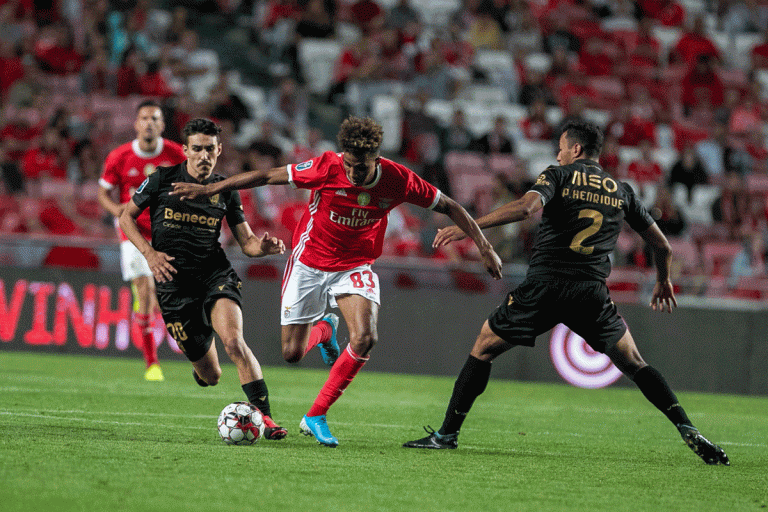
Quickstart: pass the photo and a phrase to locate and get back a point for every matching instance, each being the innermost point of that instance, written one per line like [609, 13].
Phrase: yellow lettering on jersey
[192, 218]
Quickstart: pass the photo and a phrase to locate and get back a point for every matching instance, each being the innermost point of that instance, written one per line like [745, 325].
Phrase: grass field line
[93, 418]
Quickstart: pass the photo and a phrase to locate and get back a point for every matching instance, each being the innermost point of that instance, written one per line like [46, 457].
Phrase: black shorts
[537, 305]
[187, 310]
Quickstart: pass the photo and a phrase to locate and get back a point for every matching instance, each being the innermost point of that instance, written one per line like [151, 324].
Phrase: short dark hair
[149, 103]
[589, 135]
[360, 136]
[200, 125]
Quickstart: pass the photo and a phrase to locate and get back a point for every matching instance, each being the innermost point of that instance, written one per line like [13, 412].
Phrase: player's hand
[447, 235]
[663, 297]
[188, 190]
[492, 262]
[160, 265]
[271, 245]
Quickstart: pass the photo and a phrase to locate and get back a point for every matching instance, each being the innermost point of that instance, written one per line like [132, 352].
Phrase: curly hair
[360, 136]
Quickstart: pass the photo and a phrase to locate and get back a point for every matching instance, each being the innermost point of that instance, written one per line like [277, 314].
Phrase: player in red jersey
[126, 167]
[338, 238]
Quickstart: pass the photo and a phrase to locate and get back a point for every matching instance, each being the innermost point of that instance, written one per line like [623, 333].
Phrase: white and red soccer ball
[241, 423]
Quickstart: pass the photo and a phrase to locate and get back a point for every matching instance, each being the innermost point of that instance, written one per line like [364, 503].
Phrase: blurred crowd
[476, 91]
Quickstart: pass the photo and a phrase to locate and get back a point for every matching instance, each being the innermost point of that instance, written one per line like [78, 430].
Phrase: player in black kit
[197, 288]
[583, 211]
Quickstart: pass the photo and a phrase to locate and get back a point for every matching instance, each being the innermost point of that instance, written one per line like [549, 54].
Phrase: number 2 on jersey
[357, 279]
[578, 240]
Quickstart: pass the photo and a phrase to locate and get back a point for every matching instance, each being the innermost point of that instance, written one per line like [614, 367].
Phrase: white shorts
[132, 262]
[308, 291]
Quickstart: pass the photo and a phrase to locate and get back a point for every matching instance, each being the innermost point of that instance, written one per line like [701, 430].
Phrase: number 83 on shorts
[307, 291]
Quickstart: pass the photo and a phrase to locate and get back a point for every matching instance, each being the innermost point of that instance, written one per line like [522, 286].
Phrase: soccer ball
[241, 423]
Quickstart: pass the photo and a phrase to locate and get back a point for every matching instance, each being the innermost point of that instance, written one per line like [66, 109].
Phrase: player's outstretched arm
[159, 262]
[514, 211]
[663, 297]
[250, 179]
[463, 220]
[254, 246]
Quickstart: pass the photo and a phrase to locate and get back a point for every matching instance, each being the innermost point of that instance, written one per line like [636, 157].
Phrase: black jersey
[584, 208]
[188, 230]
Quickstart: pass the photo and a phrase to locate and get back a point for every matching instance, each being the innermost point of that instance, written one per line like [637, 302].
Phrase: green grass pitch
[89, 434]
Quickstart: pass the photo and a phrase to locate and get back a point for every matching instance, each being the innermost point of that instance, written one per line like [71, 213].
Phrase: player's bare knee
[363, 343]
[292, 354]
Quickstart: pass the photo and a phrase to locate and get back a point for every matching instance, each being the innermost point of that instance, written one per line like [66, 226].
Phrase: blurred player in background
[197, 289]
[583, 212]
[126, 167]
[340, 235]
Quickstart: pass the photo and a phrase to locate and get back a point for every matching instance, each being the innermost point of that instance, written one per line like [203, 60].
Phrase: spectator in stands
[535, 87]
[646, 109]
[595, 58]
[55, 50]
[505, 239]
[129, 72]
[18, 132]
[645, 52]
[47, 158]
[720, 156]
[98, 75]
[13, 179]
[358, 63]
[750, 260]
[739, 17]
[621, 18]
[368, 15]
[535, 125]
[153, 82]
[688, 171]
[745, 117]
[198, 66]
[668, 12]
[525, 36]
[269, 144]
[498, 140]
[668, 217]
[420, 141]
[759, 53]
[11, 65]
[561, 36]
[645, 169]
[485, 32]
[610, 160]
[694, 44]
[628, 130]
[315, 21]
[731, 208]
[456, 136]
[433, 72]
[315, 144]
[288, 108]
[702, 86]
[402, 14]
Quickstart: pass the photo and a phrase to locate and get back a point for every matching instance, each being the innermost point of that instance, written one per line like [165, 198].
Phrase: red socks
[343, 371]
[320, 333]
[147, 340]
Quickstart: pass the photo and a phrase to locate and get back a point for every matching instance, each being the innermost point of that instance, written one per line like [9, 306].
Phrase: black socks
[657, 391]
[470, 384]
[258, 395]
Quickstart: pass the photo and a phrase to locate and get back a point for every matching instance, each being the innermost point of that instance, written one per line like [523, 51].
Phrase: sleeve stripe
[289, 169]
[437, 200]
[104, 183]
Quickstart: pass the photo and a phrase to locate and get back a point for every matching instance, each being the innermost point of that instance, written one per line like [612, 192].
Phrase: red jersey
[127, 167]
[343, 225]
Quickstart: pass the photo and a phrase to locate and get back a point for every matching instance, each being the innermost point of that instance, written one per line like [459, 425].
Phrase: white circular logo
[578, 363]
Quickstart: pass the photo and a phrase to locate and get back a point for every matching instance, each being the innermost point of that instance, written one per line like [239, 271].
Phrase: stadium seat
[319, 56]
[442, 110]
[717, 257]
[508, 165]
[757, 182]
[456, 162]
[71, 257]
[685, 255]
[466, 186]
[386, 110]
[750, 288]
[436, 13]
